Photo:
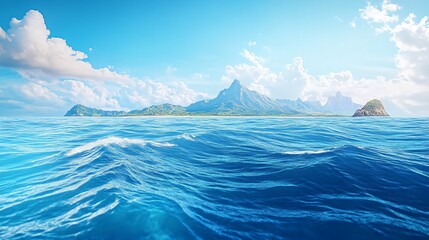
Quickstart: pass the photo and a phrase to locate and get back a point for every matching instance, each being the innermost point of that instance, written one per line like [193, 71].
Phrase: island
[237, 100]
[371, 108]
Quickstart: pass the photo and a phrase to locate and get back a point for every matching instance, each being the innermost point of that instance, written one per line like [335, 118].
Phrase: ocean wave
[311, 152]
[187, 136]
[322, 150]
[122, 142]
[227, 178]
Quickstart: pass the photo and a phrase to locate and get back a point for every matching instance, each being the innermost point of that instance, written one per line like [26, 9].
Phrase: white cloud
[353, 23]
[79, 92]
[251, 57]
[251, 43]
[145, 93]
[2, 34]
[255, 75]
[39, 93]
[412, 40]
[293, 80]
[27, 47]
[136, 95]
[384, 15]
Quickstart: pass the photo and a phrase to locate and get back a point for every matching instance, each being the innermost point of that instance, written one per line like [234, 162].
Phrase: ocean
[214, 178]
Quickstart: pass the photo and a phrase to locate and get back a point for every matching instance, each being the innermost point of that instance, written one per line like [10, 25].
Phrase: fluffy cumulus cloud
[57, 76]
[144, 93]
[288, 83]
[27, 47]
[78, 92]
[384, 14]
[253, 74]
[410, 36]
[412, 40]
[39, 93]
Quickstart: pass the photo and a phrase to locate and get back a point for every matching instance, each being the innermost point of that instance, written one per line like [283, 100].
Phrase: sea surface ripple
[214, 178]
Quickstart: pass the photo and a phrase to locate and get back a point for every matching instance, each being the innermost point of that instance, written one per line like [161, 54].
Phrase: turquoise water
[212, 178]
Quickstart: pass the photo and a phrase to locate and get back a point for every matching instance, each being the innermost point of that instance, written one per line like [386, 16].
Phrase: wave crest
[323, 150]
[187, 136]
[122, 142]
[319, 151]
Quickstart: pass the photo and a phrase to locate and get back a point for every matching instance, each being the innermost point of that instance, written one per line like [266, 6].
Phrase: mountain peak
[341, 104]
[239, 100]
[339, 95]
[234, 89]
[235, 82]
[235, 85]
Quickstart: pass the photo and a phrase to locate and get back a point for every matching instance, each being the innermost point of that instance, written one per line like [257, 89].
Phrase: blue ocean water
[214, 178]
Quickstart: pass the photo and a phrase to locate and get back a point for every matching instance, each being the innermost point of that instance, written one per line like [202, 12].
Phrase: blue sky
[181, 51]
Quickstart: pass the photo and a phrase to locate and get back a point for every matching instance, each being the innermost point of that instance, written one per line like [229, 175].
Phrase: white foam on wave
[319, 151]
[122, 142]
[187, 136]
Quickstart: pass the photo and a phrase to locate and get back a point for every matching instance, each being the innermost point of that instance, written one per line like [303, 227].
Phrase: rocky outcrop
[371, 108]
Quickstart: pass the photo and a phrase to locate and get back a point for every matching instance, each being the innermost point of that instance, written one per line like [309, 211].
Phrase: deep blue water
[214, 178]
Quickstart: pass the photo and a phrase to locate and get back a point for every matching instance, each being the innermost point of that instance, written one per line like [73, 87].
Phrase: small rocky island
[371, 108]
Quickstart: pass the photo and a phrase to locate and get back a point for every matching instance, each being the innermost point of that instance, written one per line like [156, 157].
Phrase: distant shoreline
[211, 116]
[237, 100]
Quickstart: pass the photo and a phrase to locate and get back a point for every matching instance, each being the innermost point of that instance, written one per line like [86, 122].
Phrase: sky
[132, 54]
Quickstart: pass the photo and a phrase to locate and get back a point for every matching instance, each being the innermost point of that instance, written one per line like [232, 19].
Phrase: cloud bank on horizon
[54, 76]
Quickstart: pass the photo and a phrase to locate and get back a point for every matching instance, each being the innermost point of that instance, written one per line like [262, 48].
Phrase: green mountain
[238, 100]
[371, 108]
[81, 110]
[163, 109]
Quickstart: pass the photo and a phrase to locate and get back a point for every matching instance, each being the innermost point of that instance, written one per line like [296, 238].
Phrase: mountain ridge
[237, 100]
[341, 104]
